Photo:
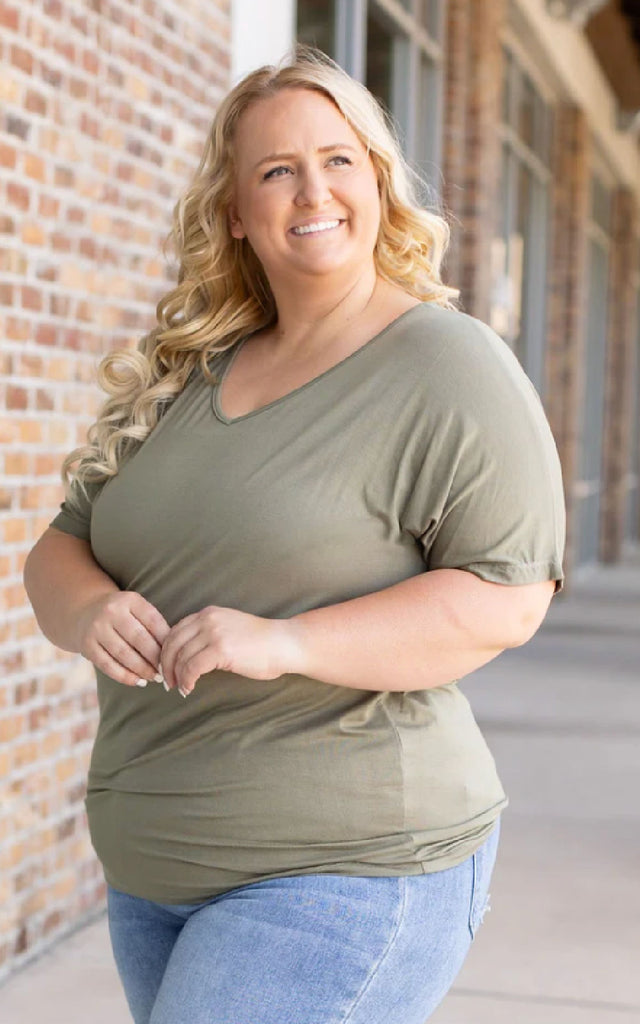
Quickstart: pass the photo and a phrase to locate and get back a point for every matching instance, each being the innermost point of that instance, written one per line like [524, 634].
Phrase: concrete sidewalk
[562, 942]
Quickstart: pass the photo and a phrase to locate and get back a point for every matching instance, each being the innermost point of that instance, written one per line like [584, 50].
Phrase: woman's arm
[79, 608]
[422, 632]
[425, 631]
[61, 578]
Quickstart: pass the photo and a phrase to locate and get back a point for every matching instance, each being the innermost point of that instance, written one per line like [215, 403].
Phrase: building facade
[517, 117]
[512, 111]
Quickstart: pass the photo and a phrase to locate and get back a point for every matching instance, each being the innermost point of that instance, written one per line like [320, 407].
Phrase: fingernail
[158, 678]
[183, 693]
[141, 682]
[166, 685]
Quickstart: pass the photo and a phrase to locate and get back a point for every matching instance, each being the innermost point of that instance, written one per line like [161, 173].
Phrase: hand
[122, 634]
[226, 639]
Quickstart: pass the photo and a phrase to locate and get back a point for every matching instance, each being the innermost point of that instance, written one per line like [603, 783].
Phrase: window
[387, 68]
[632, 523]
[396, 48]
[589, 487]
[519, 248]
[317, 25]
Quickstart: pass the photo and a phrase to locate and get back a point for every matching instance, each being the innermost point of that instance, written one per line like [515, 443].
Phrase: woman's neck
[307, 322]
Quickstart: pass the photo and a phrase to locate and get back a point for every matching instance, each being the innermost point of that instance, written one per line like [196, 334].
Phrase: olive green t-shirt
[426, 448]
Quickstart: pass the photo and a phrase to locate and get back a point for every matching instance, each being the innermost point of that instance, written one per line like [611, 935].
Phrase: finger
[120, 649]
[192, 664]
[185, 662]
[150, 617]
[139, 637]
[180, 635]
[104, 661]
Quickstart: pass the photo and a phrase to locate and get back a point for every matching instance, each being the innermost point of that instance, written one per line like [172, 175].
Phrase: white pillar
[262, 31]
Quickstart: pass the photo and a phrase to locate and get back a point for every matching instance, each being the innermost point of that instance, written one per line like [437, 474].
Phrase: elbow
[531, 613]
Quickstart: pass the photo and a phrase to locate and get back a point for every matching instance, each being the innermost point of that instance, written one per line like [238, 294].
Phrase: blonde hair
[222, 292]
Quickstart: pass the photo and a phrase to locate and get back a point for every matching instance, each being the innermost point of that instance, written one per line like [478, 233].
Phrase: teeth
[307, 229]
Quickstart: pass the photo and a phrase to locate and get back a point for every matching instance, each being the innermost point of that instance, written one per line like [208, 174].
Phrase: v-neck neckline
[217, 388]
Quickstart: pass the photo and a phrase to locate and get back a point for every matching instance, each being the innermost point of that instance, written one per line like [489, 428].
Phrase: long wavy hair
[222, 292]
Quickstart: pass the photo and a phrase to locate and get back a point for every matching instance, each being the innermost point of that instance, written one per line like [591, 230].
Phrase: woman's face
[306, 194]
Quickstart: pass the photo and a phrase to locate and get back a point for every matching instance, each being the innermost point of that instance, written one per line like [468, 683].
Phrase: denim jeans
[305, 949]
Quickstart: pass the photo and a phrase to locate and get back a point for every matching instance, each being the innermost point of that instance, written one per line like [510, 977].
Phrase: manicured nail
[166, 685]
[141, 682]
[158, 678]
[183, 693]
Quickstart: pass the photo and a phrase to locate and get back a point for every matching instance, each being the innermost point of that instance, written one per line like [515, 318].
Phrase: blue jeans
[305, 949]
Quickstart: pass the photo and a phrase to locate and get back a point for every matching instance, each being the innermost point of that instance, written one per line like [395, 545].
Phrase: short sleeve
[488, 495]
[76, 518]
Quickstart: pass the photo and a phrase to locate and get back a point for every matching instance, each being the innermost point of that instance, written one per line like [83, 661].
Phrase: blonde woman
[317, 495]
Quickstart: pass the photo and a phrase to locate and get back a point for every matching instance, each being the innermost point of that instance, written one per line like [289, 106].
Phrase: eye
[275, 171]
[272, 173]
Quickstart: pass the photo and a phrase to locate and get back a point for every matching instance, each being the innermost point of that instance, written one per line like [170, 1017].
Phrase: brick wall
[567, 296]
[471, 154]
[621, 354]
[471, 144]
[104, 108]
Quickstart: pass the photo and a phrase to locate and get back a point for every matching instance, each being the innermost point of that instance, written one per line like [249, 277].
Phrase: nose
[313, 188]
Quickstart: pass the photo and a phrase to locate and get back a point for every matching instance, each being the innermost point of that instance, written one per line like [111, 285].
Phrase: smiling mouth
[316, 229]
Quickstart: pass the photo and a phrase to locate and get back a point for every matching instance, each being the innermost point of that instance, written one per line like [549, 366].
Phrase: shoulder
[460, 359]
[453, 335]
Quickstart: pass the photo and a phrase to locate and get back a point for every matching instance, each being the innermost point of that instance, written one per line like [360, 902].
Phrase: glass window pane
[428, 127]
[316, 21]
[600, 204]
[430, 15]
[506, 86]
[387, 68]
[500, 285]
[379, 58]
[518, 246]
[632, 525]
[526, 111]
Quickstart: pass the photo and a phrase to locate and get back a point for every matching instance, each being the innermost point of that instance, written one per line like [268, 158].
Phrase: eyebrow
[289, 156]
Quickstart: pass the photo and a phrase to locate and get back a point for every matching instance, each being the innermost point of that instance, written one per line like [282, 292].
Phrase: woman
[317, 496]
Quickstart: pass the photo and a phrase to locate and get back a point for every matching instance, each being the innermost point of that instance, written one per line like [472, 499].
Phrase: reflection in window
[519, 248]
[316, 24]
[430, 15]
[388, 67]
[428, 142]
[379, 60]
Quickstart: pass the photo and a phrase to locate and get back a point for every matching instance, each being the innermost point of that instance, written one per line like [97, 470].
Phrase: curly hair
[222, 292]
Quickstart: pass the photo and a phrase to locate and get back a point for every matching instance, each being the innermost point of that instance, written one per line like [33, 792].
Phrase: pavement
[561, 944]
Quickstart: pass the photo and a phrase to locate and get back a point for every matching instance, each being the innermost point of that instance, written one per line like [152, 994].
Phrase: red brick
[17, 398]
[7, 155]
[35, 102]
[34, 167]
[22, 59]
[64, 177]
[48, 206]
[16, 464]
[9, 16]
[31, 298]
[18, 195]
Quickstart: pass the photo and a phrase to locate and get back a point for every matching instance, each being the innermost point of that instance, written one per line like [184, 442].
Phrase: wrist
[291, 644]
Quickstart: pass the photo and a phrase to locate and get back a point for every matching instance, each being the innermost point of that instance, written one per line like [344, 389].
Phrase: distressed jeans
[305, 949]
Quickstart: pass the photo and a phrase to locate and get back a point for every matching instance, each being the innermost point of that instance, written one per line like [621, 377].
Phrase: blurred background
[524, 118]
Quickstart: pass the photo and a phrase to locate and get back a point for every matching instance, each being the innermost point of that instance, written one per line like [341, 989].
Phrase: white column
[262, 31]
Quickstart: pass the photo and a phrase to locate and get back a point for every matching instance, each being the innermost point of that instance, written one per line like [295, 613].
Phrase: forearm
[62, 579]
[423, 632]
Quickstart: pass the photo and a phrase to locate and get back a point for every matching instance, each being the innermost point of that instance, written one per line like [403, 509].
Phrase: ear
[235, 224]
